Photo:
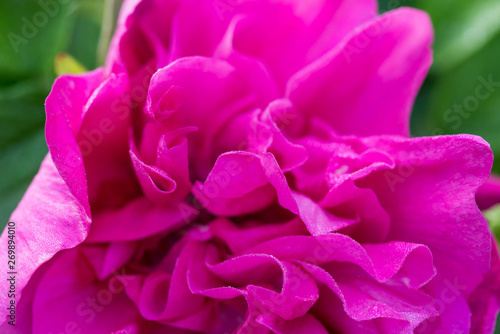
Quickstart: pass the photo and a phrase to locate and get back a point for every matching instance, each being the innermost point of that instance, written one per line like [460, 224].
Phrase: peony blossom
[245, 166]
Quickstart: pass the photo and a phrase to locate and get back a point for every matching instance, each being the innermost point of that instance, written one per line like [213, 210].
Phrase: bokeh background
[467, 52]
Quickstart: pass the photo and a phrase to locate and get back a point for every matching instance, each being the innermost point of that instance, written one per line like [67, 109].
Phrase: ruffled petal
[287, 35]
[166, 298]
[385, 308]
[205, 93]
[430, 197]
[236, 185]
[329, 248]
[367, 85]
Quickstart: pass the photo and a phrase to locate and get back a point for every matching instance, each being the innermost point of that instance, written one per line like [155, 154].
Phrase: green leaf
[31, 35]
[21, 110]
[460, 36]
[462, 27]
[33, 32]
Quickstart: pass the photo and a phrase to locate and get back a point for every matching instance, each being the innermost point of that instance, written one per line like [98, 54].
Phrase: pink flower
[245, 167]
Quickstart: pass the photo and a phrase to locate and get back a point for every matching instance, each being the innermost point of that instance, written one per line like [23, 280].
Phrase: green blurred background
[467, 50]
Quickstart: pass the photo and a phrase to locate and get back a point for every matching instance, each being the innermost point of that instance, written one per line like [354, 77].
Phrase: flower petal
[485, 301]
[48, 219]
[65, 107]
[287, 35]
[69, 288]
[325, 249]
[430, 197]
[214, 92]
[367, 85]
[306, 324]
[139, 219]
[489, 193]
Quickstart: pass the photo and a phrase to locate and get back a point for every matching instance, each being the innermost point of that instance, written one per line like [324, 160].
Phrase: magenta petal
[203, 282]
[306, 324]
[65, 108]
[452, 307]
[373, 221]
[104, 129]
[156, 184]
[262, 131]
[140, 218]
[154, 296]
[397, 310]
[485, 301]
[298, 294]
[239, 239]
[69, 289]
[236, 185]
[166, 298]
[287, 35]
[412, 263]
[250, 324]
[369, 300]
[113, 59]
[150, 327]
[241, 183]
[215, 92]
[249, 269]
[196, 39]
[384, 61]
[318, 220]
[24, 306]
[109, 258]
[142, 36]
[330, 248]
[489, 193]
[172, 156]
[37, 241]
[434, 181]
[257, 275]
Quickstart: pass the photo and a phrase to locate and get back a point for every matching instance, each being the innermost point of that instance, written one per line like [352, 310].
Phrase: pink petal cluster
[245, 166]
